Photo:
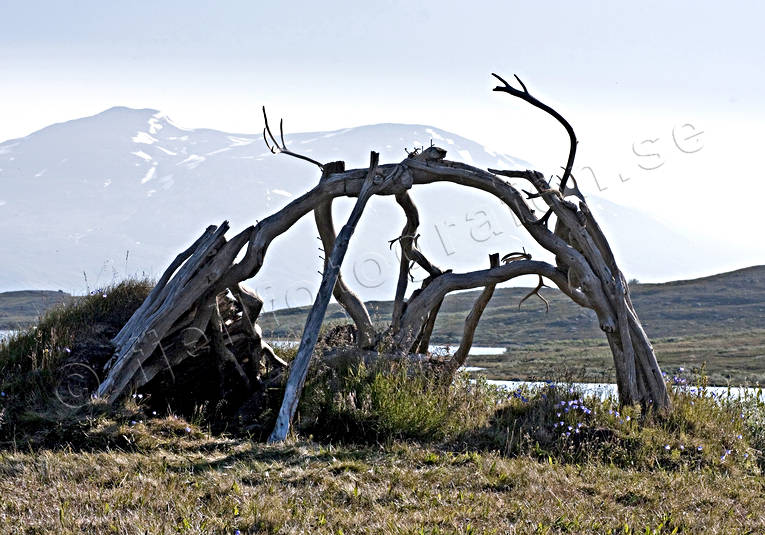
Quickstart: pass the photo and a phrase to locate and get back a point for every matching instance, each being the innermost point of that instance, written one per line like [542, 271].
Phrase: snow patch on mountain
[144, 137]
[193, 161]
[149, 175]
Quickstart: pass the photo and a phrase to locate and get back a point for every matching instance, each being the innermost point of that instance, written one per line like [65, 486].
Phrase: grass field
[206, 485]
[697, 470]
[376, 450]
[735, 358]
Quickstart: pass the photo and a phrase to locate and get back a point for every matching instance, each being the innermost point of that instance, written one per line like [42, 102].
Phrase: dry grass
[165, 475]
[196, 484]
[484, 461]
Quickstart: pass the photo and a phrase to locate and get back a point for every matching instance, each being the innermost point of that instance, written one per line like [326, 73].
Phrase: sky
[666, 97]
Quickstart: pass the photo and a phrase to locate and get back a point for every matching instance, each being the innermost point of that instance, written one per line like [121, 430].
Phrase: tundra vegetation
[158, 406]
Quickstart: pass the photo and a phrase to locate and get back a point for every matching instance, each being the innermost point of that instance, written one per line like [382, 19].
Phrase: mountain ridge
[119, 193]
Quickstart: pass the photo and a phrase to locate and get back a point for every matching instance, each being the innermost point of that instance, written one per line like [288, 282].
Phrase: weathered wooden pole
[299, 366]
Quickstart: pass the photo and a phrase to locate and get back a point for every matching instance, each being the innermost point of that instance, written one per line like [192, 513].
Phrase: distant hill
[22, 308]
[729, 301]
[733, 301]
[717, 322]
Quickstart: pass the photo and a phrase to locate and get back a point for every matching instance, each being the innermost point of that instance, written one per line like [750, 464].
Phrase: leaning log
[299, 366]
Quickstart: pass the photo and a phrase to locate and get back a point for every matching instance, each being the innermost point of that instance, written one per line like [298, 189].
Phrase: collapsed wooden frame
[184, 305]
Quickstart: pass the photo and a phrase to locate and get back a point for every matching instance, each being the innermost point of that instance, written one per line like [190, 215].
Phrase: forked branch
[535, 291]
[525, 95]
[276, 148]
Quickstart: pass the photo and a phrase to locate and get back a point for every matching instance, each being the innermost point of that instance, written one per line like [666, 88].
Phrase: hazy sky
[625, 74]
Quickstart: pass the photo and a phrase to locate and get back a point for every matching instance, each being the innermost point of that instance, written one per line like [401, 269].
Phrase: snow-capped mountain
[121, 193]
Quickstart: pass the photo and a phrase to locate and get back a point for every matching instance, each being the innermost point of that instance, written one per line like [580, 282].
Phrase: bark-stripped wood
[299, 366]
[471, 322]
[180, 319]
[410, 254]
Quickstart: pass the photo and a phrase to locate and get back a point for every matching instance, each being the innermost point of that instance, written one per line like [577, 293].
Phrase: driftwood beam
[182, 310]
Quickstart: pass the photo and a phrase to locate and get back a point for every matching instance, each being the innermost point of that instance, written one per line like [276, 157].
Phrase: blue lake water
[437, 349]
[599, 390]
[604, 391]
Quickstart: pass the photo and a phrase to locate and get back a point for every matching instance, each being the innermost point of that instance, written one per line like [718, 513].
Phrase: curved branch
[409, 253]
[420, 305]
[525, 95]
[466, 175]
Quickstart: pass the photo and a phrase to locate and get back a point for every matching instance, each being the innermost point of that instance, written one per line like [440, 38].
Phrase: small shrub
[557, 423]
[391, 401]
